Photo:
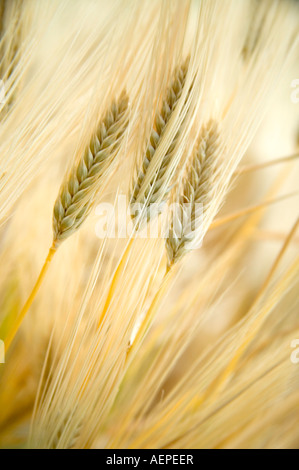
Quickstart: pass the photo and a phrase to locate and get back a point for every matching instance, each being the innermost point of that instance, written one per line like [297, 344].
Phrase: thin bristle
[77, 192]
[156, 190]
[10, 18]
[15, 36]
[2, 12]
[258, 15]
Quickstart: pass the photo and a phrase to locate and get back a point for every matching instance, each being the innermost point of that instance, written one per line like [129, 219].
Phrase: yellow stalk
[112, 288]
[31, 298]
[115, 280]
[168, 276]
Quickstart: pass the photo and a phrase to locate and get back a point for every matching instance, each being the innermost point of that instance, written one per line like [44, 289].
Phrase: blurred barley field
[188, 340]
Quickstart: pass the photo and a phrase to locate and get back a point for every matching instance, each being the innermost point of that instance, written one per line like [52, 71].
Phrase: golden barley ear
[77, 193]
[195, 195]
[15, 24]
[156, 191]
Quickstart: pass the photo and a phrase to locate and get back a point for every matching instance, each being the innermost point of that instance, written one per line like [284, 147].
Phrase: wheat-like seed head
[77, 193]
[11, 19]
[156, 191]
[195, 195]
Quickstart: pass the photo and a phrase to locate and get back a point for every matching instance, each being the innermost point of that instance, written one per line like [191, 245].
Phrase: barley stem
[114, 281]
[168, 276]
[112, 288]
[31, 297]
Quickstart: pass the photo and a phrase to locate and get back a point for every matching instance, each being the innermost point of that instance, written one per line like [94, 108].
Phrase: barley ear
[156, 191]
[12, 30]
[77, 193]
[195, 196]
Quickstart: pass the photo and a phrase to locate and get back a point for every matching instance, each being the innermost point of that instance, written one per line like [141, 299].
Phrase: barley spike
[196, 194]
[77, 193]
[156, 191]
